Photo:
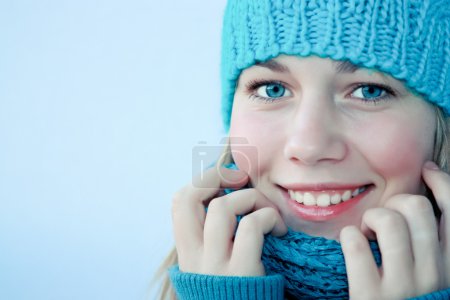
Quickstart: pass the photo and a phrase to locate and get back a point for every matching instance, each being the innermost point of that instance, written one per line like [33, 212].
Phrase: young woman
[343, 106]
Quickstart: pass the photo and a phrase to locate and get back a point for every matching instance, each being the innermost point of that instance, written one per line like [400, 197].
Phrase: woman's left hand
[415, 248]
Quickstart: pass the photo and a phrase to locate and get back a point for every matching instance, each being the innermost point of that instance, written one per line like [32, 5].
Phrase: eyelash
[390, 93]
[254, 85]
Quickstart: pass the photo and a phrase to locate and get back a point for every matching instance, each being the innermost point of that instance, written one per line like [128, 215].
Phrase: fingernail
[431, 165]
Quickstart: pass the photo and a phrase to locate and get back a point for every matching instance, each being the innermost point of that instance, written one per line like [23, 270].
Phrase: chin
[329, 230]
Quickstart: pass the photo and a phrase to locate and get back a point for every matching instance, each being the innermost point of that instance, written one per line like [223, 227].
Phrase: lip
[318, 213]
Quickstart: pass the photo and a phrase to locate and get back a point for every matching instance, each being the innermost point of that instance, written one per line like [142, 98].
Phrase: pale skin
[319, 130]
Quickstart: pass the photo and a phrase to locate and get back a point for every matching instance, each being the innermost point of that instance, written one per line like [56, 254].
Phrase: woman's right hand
[208, 242]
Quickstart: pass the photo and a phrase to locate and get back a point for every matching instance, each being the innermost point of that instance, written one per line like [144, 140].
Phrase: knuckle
[250, 194]
[248, 224]
[410, 204]
[253, 192]
[391, 220]
[258, 198]
[354, 246]
[263, 197]
[271, 214]
[217, 205]
[417, 204]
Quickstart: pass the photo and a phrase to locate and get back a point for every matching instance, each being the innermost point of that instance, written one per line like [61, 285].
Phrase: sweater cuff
[190, 286]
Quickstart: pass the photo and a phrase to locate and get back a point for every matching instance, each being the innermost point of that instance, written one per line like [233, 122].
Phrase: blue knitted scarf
[313, 267]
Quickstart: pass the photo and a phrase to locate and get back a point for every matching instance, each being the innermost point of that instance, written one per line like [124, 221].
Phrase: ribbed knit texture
[408, 39]
[191, 286]
[314, 267]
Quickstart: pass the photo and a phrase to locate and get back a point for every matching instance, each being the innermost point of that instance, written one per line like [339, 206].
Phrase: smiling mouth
[323, 202]
[326, 198]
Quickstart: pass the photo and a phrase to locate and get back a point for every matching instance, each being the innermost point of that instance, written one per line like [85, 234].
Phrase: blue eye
[371, 92]
[272, 90]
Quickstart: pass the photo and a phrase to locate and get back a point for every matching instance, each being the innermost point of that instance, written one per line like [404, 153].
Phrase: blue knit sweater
[189, 286]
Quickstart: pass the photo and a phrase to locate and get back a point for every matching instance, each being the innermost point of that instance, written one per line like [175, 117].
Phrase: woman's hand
[208, 242]
[415, 248]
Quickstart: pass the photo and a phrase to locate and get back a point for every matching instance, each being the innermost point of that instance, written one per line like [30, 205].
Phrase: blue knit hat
[408, 39]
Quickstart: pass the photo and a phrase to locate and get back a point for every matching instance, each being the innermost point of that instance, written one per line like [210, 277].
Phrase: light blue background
[101, 103]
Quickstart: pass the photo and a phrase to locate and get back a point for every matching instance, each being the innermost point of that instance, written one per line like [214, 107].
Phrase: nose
[315, 133]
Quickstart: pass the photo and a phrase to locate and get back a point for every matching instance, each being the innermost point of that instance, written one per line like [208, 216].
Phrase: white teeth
[308, 199]
[323, 200]
[298, 197]
[346, 196]
[335, 199]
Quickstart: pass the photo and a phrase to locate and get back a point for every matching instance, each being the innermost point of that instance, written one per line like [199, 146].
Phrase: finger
[439, 183]
[362, 272]
[419, 215]
[248, 243]
[207, 184]
[220, 223]
[188, 211]
[394, 241]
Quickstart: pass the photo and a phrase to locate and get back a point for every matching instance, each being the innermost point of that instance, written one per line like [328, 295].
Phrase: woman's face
[327, 141]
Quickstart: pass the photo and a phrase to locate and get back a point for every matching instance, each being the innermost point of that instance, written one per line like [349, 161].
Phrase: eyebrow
[274, 66]
[340, 66]
[345, 67]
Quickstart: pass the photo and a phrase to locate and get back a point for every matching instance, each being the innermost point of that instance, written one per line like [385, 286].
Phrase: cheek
[252, 142]
[397, 150]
